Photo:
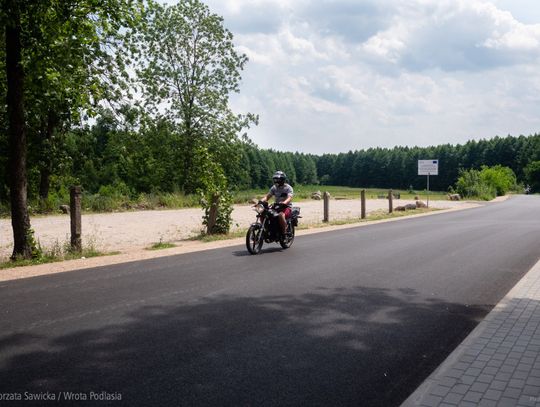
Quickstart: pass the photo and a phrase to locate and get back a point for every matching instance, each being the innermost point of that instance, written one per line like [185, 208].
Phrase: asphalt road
[354, 317]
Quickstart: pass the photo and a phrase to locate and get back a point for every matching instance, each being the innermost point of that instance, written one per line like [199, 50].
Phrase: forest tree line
[107, 157]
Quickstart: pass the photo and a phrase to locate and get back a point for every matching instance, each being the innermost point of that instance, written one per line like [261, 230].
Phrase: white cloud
[454, 35]
[328, 76]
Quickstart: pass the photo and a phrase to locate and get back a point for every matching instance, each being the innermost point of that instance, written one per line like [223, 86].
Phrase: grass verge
[111, 201]
[50, 257]
[373, 216]
[161, 245]
[303, 192]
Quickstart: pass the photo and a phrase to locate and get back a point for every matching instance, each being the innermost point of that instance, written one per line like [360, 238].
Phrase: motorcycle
[267, 228]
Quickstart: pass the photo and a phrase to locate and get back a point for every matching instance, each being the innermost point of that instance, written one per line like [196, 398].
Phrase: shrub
[471, 185]
[501, 178]
[214, 183]
[224, 210]
[532, 174]
[486, 183]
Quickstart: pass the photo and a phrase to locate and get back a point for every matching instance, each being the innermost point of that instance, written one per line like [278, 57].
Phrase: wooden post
[75, 215]
[326, 199]
[212, 215]
[363, 203]
[390, 202]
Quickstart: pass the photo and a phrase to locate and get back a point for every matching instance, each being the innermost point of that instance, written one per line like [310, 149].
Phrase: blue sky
[332, 76]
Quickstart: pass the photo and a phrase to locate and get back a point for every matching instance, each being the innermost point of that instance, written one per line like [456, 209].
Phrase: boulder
[64, 209]
[316, 195]
[420, 204]
[407, 207]
[454, 197]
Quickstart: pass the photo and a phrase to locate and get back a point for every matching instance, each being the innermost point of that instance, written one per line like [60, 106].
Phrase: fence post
[363, 204]
[212, 215]
[75, 216]
[326, 199]
[390, 202]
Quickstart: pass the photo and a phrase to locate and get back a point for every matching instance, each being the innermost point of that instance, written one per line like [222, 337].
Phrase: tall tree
[43, 81]
[189, 68]
[20, 219]
[76, 49]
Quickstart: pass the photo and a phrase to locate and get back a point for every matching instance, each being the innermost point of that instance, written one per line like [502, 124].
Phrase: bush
[214, 183]
[224, 210]
[487, 183]
[109, 198]
[501, 178]
[471, 185]
[532, 174]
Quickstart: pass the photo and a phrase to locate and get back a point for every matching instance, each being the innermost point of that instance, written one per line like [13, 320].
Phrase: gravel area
[128, 231]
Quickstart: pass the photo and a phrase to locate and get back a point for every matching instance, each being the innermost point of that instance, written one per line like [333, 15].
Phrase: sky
[329, 76]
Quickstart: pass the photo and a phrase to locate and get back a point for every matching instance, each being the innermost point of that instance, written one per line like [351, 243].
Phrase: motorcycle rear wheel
[254, 239]
[287, 241]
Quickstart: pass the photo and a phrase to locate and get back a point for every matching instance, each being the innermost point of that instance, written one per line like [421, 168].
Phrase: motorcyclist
[283, 194]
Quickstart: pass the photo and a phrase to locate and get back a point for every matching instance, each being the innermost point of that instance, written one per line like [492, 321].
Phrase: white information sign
[428, 167]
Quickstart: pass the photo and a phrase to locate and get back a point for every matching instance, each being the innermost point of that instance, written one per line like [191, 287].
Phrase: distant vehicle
[267, 228]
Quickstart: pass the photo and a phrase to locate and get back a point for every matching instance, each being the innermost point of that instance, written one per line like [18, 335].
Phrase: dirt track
[128, 231]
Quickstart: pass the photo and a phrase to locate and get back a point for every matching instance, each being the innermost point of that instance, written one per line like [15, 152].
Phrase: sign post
[428, 167]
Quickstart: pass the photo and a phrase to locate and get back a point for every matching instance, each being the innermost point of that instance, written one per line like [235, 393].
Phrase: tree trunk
[46, 159]
[44, 182]
[189, 149]
[20, 221]
[188, 162]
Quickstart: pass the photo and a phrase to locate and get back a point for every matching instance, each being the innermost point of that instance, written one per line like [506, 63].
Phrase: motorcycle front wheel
[287, 241]
[254, 239]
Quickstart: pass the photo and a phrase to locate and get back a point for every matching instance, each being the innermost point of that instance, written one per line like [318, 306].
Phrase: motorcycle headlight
[259, 209]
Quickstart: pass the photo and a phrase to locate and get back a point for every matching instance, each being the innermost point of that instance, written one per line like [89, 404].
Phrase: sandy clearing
[131, 232]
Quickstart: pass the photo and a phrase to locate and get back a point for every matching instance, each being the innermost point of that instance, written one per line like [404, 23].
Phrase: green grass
[161, 245]
[116, 203]
[55, 254]
[96, 203]
[373, 216]
[303, 192]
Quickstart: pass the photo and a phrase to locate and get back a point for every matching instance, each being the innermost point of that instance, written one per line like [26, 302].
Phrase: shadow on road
[350, 346]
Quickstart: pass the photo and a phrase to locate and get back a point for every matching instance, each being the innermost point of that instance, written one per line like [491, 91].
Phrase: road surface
[354, 317]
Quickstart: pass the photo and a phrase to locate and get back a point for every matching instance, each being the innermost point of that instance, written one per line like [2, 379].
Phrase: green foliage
[213, 190]
[54, 253]
[161, 245]
[471, 185]
[532, 174]
[37, 251]
[189, 68]
[486, 183]
[501, 178]
[224, 210]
